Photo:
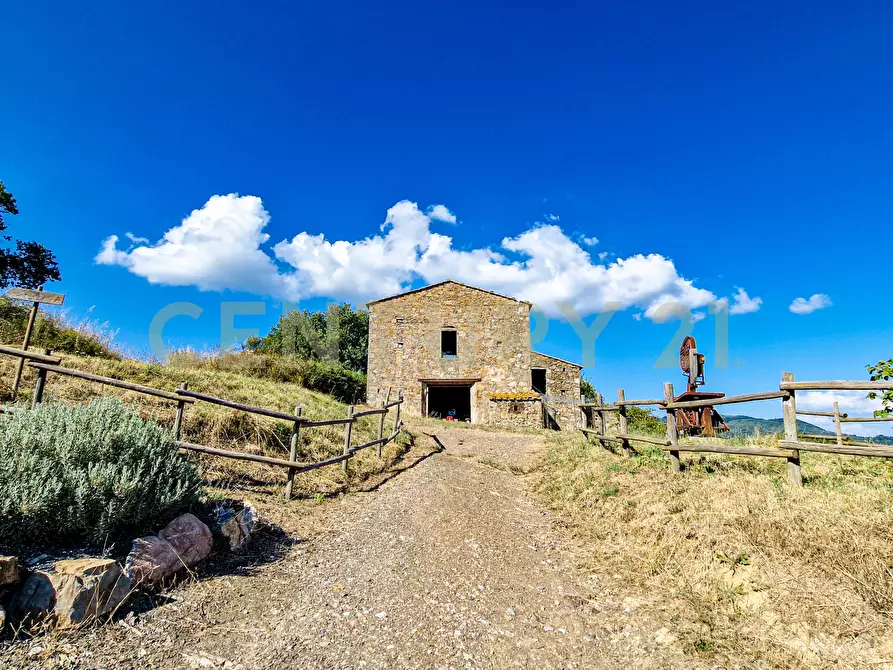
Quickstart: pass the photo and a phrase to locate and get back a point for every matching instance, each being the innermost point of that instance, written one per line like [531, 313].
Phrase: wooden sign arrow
[35, 296]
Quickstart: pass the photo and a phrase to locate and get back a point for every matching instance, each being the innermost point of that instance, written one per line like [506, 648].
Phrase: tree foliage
[587, 390]
[883, 371]
[339, 335]
[30, 264]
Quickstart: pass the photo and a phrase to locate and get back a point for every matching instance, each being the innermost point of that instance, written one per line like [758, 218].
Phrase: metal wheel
[687, 345]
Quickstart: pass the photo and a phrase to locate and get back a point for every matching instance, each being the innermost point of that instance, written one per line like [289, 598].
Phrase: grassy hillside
[748, 425]
[217, 426]
[749, 571]
[54, 330]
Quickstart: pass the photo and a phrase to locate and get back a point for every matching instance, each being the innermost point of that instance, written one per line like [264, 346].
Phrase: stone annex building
[463, 352]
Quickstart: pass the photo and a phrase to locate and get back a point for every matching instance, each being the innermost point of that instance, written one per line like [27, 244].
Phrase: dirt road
[451, 564]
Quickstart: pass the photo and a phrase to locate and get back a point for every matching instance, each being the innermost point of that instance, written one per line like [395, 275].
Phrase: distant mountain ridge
[747, 425]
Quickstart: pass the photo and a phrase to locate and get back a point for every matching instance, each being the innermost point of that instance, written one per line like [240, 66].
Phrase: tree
[883, 371]
[587, 390]
[338, 335]
[31, 264]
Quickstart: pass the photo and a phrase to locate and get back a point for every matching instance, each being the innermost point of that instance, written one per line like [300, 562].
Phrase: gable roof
[441, 283]
[539, 353]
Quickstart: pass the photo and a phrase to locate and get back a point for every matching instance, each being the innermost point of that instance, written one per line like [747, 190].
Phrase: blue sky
[749, 145]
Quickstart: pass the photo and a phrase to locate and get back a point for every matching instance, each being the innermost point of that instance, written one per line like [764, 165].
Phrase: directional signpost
[36, 297]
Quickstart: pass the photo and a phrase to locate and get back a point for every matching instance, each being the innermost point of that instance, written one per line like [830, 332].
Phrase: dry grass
[749, 571]
[217, 426]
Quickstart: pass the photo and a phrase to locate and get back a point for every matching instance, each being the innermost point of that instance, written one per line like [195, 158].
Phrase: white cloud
[804, 306]
[136, 240]
[441, 213]
[603, 255]
[223, 246]
[743, 303]
[590, 241]
[854, 403]
[214, 248]
[552, 218]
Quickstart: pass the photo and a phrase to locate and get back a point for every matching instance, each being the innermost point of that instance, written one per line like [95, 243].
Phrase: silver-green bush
[96, 473]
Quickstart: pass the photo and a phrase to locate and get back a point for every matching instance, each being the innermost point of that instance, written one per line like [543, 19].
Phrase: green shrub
[94, 473]
[345, 385]
[54, 331]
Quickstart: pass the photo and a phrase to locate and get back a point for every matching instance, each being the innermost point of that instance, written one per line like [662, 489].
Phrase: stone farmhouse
[463, 352]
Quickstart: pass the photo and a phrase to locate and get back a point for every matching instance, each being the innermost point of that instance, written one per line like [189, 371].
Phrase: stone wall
[562, 388]
[493, 344]
[516, 413]
[562, 377]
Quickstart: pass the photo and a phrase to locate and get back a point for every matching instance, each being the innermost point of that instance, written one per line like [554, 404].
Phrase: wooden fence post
[381, 426]
[837, 429]
[789, 412]
[602, 423]
[20, 366]
[39, 384]
[181, 407]
[624, 423]
[672, 433]
[293, 453]
[384, 406]
[348, 428]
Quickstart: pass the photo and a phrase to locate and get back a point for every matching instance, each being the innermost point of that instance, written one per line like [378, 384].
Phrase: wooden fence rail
[790, 445]
[44, 363]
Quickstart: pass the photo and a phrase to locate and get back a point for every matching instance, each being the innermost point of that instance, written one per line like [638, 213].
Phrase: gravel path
[451, 564]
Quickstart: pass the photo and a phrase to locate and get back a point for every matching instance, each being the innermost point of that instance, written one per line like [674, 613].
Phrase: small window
[448, 343]
[538, 380]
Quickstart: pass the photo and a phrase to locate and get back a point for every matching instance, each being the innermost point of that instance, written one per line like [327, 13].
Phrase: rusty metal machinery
[697, 421]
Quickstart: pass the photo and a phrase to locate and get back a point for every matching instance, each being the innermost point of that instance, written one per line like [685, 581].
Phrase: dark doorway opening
[538, 380]
[450, 401]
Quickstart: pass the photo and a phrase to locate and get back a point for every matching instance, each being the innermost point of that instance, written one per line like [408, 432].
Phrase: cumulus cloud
[552, 218]
[441, 213]
[222, 246]
[743, 303]
[590, 241]
[804, 306]
[854, 403]
[214, 248]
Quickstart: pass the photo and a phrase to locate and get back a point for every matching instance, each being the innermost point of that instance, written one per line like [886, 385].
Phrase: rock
[35, 600]
[10, 570]
[665, 637]
[236, 527]
[80, 591]
[88, 588]
[151, 561]
[190, 539]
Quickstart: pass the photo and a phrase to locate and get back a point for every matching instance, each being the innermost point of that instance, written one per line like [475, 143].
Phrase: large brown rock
[190, 539]
[88, 588]
[10, 571]
[79, 591]
[151, 561]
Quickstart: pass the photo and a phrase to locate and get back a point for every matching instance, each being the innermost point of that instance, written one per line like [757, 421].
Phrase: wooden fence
[44, 364]
[790, 445]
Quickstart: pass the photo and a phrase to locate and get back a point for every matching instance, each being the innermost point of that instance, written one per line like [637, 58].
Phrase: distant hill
[747, 425]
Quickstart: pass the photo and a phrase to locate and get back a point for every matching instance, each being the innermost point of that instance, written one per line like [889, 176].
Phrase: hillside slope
[217, 426]
[741, 426]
